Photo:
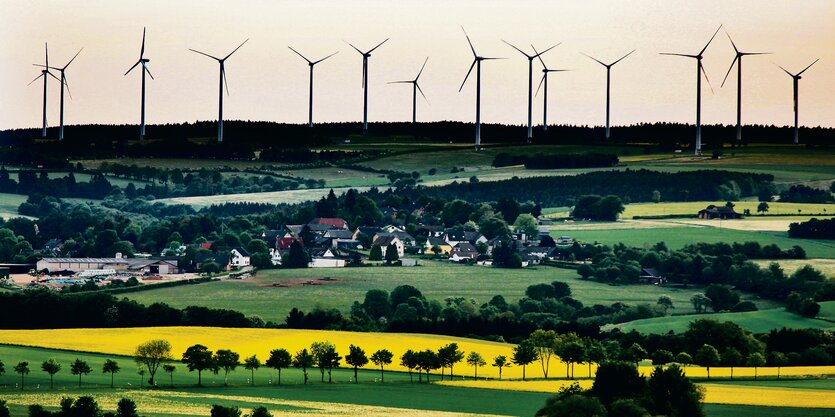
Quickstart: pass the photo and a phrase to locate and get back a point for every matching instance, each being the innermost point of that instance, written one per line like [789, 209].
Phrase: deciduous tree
[278, 360]
[151, 354]
[382, 358]
[52, 367]
[356, 358]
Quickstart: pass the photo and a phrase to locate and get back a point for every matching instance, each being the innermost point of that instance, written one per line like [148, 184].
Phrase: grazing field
[756, 321]
[691, 208]
[9, 204]
[677, 237]
[171, 163]
[340, 177]
[827, 266]
[272, 197]
[436, 280]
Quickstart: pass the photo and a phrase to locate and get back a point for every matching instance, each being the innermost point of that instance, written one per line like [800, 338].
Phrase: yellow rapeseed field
[196, 404]
[260, 341]
[714, 393]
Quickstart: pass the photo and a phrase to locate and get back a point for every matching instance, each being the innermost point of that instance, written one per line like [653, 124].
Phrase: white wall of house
[327, 263]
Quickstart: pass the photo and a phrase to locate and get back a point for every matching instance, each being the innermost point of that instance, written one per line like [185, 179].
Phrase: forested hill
[258, 135]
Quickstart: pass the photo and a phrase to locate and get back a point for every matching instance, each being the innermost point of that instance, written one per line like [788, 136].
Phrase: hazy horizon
[269, 82]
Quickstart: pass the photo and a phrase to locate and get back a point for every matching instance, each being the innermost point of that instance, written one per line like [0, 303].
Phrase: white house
[325, 258]
[239, 257]
[385, 241]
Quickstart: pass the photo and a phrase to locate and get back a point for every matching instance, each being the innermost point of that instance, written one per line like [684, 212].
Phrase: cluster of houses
[329, 242]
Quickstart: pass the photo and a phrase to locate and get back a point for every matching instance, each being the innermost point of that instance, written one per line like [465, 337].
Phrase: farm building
[325, 258]
[719, 212]
[536, 254]
[331, 222]
[119, 264]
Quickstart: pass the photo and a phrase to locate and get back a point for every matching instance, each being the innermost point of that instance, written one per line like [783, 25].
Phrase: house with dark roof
[239, 257]
[369, 231]
[404, 237]
[652, 276]
[391, 239]
[463, 251]
[719, 212]
[436, 241]
[536, 254]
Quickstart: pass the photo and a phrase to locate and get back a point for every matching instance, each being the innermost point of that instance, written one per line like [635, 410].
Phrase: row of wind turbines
[476, 63]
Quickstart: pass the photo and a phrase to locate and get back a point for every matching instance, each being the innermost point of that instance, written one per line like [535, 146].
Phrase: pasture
[436, 280]
[9, 204]
[756, 321]
[691, 208]
[272, 197]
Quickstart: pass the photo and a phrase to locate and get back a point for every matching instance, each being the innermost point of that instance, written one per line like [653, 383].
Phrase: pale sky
[268, 82]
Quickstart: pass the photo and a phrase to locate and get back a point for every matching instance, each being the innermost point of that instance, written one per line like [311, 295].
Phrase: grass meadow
[436, 280]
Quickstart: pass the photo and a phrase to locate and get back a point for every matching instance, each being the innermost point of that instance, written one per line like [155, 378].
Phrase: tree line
[556, 161]
[813, 229]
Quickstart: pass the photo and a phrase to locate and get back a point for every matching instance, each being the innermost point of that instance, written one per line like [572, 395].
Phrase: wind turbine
[415, 90]
[530, 81]
[609, 84]
[144, 62]
[311, 64]
[63, 84]
[738, 61]
[477, 64]
[700, 69]
[44, 73]
[795, 79]
[222, 81]
[544, 82]
[365, 56]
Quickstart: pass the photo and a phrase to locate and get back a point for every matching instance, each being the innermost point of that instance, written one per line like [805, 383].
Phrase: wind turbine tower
[222, 62]
[477, 64]
[609, 85]
[738, 61]
[311, 64]
[796, 84]
[530, 82]
[415, 89]
[144, 62]
[365, 56]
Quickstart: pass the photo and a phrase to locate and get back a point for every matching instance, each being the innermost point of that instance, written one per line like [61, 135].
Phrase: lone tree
[279, 359]
[304, 360]
[252, 364]
[684, 359]
[326, 358]
[501, 362]
[409, 361]
[449, 355]
[779, 360]
[707, 356]
[80, 367]
[731, 357]
[169, 369]
[475, 360]
[22, 368]
[391, 254]
[199, 358]
[382, 358]
[151, 354]
[227, 360]
[126, 408]
[755, 360]
[52, 367]
[376, 253]
[543, 342]
[356, 358]
[524, 354]
[110, 367]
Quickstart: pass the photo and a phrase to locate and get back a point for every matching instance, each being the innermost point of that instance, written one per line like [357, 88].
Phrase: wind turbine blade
[67, 85]
[46, 54]
[421, 92]
[148, 71]
[711, 40]
[539, 56]
[400, 82]
[131, 68]
[73, 58]
[488, 59]
[598, 61]
[316, 62]
[810, 66]
[142, 50]
[465, 77]
[203, 53]
[514, 47]
[236, 49]
[378, 45]
[540, 84]
[470, 42]
[702, 67]
[684, 55]
[421, 68]
[540, 53]
[226, 83]
[732, 42]
[53, 76]
[355, 48]
[299, 54]
[786, 71]
[729, 71]
[624, 57]
[36, 79]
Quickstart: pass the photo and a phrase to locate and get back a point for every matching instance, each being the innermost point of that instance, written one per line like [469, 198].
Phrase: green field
[756, 321]
[436, 280]
[678, 237]
[9, 204]
[691, 208]
[272, 197]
